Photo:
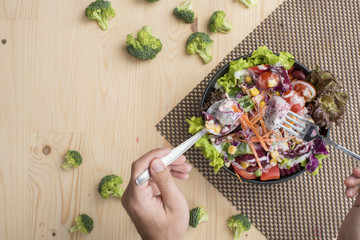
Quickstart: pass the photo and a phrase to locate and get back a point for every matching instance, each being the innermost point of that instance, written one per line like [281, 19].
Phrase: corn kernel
[254, 91]
[217, 128]
[273, 162]
[262, 104]
[232, 149]
[277, 93]
[244, 164]
[272, 83]
[248, 79]
[274, 154]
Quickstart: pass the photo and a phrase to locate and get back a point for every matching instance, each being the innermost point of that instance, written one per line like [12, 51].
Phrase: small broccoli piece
[200, 43]
[185, 12]
[238, 223]
[100, 10]
[145, 46]
[248, 3]
[72, 159]
[83, 223]
[152, 0]
[198, 215]
[219, 24]
[110, 186]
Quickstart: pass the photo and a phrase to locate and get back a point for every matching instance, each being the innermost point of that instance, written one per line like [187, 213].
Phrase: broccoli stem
[205, 55]
[102, 23]
[237, 234]
[226, 28]
[74, 228]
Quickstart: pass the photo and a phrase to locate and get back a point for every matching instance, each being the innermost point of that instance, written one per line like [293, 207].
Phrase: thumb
[164, 181]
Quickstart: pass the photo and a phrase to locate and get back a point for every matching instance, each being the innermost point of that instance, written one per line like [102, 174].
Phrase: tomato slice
[305, 89]
[243, 173]
[268, 80]
[257, 70]
[272, 173]
[295, 100]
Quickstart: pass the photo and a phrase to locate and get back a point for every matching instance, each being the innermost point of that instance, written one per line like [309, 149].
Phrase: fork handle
[348, 152]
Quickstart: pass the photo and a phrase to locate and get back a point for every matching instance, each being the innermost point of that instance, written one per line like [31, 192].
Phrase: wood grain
[67, 84]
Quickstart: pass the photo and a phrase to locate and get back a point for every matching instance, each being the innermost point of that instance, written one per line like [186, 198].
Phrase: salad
[255, 96]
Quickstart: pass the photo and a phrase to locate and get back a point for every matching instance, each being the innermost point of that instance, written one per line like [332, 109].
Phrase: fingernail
[350, 192]
[157, 165]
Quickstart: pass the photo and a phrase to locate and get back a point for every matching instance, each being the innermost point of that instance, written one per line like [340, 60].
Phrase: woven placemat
[323, 32]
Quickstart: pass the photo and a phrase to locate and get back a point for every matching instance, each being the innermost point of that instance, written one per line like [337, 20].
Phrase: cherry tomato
[257, 70]
[266, 80]
[272, 173]
[305, 89]
[243, 173]
[295, 100]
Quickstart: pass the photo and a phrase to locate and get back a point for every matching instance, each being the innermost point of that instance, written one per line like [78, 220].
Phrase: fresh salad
[255, 96]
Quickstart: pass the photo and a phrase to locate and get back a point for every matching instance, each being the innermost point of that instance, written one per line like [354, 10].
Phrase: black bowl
[205, 97]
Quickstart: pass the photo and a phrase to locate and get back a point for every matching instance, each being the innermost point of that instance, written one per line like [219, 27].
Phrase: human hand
[350, 226]
[157, 207]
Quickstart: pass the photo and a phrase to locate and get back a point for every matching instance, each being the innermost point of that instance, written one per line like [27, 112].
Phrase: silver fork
[309, 131]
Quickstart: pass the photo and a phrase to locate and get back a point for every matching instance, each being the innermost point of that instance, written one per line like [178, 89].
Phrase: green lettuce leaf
[285, 162]
[246, 103]
[210, 152]
[228, 81]
[242, 149]
[263, 55]
[195, 124]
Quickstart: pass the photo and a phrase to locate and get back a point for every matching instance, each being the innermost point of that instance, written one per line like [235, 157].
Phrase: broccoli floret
[248, 3]
[219, 24]
[100, 10]
[145, 46]
[185, 12]
[110, 186]
[198, 215]
[238, 223]
[200, 43]
[72, 159]
[83, 223]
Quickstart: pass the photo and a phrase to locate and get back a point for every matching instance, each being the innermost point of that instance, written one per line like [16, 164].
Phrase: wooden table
[67, 84]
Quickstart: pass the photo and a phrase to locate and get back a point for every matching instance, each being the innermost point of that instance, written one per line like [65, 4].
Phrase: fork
[309, 131]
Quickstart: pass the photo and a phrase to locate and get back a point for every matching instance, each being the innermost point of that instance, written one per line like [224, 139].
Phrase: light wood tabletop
[66, 84]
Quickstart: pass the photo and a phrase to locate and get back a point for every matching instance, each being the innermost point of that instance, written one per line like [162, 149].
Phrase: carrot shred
[258, 116]
[271, 140]
[238, 176]
[252, 147]
[251, 126]
[262, 123]
[267, 134]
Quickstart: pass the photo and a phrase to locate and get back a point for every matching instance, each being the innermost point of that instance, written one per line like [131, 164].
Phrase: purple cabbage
[319, 147]
[208, 116]
[312, 165]
[295, 168]
[298, 151]
[285, 83]
[260, 152]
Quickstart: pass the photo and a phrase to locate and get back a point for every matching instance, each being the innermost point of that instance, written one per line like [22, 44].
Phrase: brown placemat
[324, 32]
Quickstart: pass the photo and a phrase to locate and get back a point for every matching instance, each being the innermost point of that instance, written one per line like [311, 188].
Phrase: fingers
[352, 183]
[181, 176]
[143, 163]
[184, 168]
[179, 161]
[356, 172]
[160, 174]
